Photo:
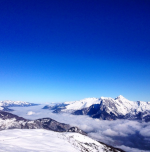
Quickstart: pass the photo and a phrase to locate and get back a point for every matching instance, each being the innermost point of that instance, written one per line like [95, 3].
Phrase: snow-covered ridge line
[10, 103]
[84, 103]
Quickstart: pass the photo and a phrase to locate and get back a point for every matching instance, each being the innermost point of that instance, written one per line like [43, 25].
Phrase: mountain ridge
[106, 108]
[7, 104]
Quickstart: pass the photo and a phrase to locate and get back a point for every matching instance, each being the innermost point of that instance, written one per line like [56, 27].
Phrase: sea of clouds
[131, 136]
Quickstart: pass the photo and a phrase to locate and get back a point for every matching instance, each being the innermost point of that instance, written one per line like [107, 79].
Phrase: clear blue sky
[62, 50]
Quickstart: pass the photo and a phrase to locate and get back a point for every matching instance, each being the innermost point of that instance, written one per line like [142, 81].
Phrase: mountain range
[105, 108]
[6, 104]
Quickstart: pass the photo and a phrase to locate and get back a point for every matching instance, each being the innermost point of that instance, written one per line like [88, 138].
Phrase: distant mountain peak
[120, 97]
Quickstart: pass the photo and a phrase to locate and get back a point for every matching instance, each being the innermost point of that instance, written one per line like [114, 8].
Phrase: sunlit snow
[46, 141]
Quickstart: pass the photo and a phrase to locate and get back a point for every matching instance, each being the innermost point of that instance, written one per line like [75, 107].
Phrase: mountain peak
[120, 97]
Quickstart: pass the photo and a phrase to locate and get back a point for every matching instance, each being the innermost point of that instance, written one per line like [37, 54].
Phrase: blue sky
[55, 51]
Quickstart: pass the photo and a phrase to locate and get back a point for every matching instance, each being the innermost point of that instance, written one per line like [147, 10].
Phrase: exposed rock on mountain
[77, 130]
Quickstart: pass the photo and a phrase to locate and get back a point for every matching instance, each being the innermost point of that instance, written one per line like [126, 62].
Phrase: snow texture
[46, 141]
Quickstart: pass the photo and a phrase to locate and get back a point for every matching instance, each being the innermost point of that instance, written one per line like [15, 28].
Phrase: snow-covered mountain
[73, 105]
[106, 108]
[49, 141]
[4, 105]
[10, 103]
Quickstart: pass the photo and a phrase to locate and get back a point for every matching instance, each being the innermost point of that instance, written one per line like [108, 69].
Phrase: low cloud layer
[30, 113]
[125, 134]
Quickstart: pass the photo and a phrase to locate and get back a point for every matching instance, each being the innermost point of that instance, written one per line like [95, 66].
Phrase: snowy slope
[33, 140]
[73, 105]
[85, 103]
[48, 141]
[1, 108]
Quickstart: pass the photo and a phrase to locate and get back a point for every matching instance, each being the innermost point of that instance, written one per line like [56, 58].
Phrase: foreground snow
[45, 141]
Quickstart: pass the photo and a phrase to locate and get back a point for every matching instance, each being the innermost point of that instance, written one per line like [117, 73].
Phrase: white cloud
[145, 131]
[128, 149]
[30, 113]
[110, 132]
